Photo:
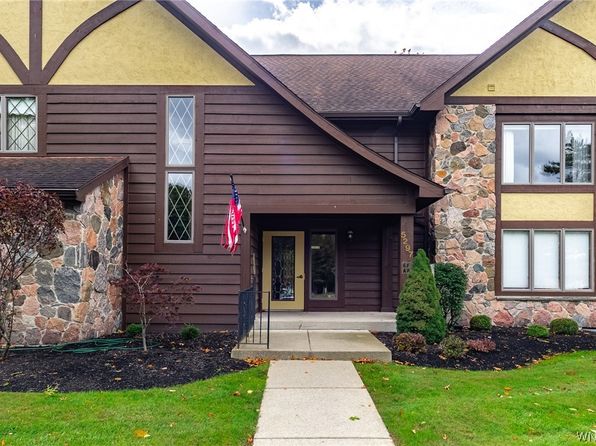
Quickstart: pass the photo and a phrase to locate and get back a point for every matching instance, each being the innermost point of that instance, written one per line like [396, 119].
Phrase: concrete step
[293, 320]
[348, 345]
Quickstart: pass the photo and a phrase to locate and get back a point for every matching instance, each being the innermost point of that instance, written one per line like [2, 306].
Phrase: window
[547, 153]
[18, 124]
[180, 169]
[323, 260]
[540, 260]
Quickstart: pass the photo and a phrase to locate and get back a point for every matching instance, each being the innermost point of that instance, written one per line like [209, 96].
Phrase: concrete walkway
[318, 403]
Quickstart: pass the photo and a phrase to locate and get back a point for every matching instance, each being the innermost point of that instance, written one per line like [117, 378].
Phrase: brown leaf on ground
[141, 433]
[236, 393]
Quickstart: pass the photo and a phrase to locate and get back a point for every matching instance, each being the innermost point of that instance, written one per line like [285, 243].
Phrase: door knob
[300, 277]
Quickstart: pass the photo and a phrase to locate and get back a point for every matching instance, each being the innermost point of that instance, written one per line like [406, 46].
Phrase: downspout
[396, 140]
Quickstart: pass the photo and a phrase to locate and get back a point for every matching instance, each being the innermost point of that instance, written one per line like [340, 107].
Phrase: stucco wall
[67, 295]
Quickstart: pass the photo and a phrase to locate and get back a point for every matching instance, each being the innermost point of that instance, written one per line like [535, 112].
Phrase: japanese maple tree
[30, 222]
[144, 287]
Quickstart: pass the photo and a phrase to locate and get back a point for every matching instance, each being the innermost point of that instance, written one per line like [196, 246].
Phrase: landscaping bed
[170, 361]
[514, 349]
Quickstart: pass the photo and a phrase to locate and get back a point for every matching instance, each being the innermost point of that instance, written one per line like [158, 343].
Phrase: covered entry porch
[329, 263]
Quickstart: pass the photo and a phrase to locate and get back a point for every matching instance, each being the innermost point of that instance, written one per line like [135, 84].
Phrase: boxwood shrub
[133, 330]
[537, 331]
[564, 326]
[480, 322]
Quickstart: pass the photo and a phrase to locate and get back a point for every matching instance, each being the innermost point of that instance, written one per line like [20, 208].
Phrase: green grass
[200, 413]
[547, 403]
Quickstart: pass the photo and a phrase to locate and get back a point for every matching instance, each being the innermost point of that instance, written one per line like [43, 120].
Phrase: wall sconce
[350, 235]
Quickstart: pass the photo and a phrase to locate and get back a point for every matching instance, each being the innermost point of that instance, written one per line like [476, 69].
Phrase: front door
[283, 269]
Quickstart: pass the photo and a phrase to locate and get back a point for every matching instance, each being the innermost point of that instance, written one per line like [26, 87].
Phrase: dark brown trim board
[101, 178]
[14, 60]
[35, 36]
[436, 99]
[569, 37]
[80, 32]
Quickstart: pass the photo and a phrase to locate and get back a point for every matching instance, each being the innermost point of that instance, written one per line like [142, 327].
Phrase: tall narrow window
[577, 260]
[516, 261]
[180, 169]
[18, 124]
[323, 260]
[546, 260]
[578, 153]
[547, 153]
[516, 154]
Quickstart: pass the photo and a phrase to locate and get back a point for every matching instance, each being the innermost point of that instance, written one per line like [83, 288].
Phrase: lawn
[218, 411]
[545, 404]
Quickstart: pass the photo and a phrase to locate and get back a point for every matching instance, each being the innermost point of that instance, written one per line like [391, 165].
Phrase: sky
[365, 26]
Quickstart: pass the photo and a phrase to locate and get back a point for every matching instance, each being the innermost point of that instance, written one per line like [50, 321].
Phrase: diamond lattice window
[179, 207]
[181, 117]
[20, 115]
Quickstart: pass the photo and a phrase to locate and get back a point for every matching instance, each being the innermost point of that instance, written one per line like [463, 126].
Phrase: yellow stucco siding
[7, 75]
[61, 17]
[146, 45]
[580, 17]
[539, 65]
[14, 26]
[547, 207]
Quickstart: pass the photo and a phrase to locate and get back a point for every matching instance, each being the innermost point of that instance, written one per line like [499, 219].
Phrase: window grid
[180, 161]
[562, 173]
[562, 288]
[31, 140]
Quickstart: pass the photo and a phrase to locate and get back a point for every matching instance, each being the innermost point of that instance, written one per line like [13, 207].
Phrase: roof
[69, 177]
[196, 22]
[435, 100]
[363, 84]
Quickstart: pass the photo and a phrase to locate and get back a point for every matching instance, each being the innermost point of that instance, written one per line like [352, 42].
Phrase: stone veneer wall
[462, 150]
[68, 296]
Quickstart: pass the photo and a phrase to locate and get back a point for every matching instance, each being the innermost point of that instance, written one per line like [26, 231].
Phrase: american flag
[231, 232]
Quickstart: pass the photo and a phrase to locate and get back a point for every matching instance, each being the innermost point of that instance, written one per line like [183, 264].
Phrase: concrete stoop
[321, 320]
[348, 345]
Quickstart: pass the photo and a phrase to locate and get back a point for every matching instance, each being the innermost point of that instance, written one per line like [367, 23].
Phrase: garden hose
[89, 346]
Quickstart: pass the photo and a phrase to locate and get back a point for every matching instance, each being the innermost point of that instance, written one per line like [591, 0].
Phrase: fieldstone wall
[462, 150]
[67, 296]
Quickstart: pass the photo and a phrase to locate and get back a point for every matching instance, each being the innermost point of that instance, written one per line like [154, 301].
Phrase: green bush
[564, 326]
[189, 332]
[480, 322]
[537, 331]
[410, 342]
[133, 330]
[453, 347]
[451, 282]
[419, 309]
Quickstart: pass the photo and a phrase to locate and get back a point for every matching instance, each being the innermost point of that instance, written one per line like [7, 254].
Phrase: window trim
[310, 274]
[4, 124]
[561, 289]
[192, 208]
[194, 132]
[562, 124]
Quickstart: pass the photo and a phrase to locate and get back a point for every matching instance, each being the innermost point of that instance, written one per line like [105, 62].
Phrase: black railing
[253, 324]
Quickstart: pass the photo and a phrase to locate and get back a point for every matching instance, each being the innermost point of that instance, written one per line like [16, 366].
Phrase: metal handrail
[250, 306]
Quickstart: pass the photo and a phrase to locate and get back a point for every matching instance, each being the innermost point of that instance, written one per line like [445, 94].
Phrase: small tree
[30, 221]
[451, 281]
[143, 287]
[419, 310]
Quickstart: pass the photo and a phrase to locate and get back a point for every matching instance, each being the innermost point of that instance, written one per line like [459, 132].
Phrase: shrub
[537, 331]
[419, 309]
[482, 345]
[480, 322]
[453, 347]
[564, 326]
[410, 342]
[451, 282]
[133, 330]
[189, 332]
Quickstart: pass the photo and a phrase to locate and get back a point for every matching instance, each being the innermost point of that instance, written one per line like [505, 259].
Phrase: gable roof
[363, 84]
[197, 23]
[435, 100]
[69, 177]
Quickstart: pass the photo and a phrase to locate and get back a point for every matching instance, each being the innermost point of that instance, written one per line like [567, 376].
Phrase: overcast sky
[365, 26]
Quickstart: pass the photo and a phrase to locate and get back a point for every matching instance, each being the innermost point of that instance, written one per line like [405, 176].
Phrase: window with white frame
[18, 123]
[545, 153]
[543, 260]
[180, 169]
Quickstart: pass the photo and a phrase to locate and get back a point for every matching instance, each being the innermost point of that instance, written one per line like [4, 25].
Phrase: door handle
[300, 277]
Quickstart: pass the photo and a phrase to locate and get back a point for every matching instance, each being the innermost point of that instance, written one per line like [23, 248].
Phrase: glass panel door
[283, 267]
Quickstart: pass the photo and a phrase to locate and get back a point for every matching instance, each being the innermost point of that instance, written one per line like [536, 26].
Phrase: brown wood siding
[276, 156]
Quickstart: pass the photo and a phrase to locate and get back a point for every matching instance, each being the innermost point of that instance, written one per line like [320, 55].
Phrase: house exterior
[345, 164]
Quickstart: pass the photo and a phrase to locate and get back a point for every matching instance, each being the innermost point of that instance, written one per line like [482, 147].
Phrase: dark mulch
[514, 349]
[170, 361]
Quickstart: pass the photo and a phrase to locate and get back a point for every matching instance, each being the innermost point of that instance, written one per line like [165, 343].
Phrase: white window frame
[562, 124]
[180, 169]
[561, 289]
[4, 123]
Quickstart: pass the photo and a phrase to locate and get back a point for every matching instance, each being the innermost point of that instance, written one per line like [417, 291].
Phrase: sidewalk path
[318, 403]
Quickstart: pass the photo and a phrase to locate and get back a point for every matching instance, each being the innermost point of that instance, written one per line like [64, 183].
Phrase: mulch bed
[170, 361]
[514, 350]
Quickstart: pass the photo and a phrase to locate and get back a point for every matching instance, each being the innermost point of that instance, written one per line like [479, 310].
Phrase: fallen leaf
[447, 387]
[507, 390]
[573, 409]
[590, 410]
[413, 431]
[249, 391]
[445, 437]
[497, 369]
[354, 418]
[141, 433]
[117, 378]
[250, 440]
[385, 378]
[236, 393]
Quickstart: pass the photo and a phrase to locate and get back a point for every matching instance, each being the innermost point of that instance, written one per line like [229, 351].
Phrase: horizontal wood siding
[276, 156]
[363, 270]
